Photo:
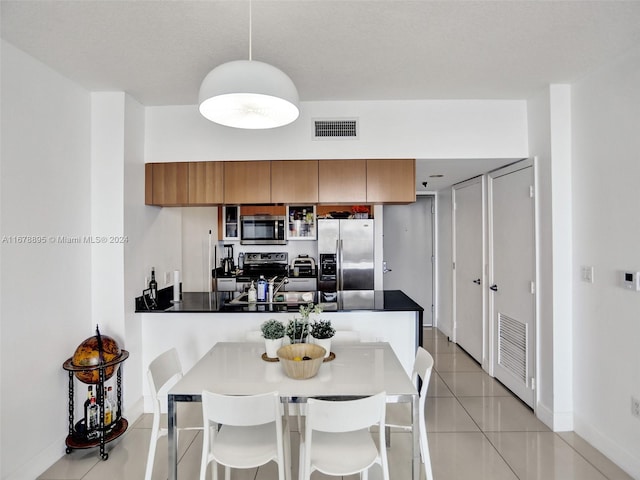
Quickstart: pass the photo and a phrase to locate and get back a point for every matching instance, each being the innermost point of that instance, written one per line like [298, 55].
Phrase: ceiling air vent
[325, 129]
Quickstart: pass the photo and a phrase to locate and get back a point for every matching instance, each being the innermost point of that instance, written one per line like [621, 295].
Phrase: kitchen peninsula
[202, 319]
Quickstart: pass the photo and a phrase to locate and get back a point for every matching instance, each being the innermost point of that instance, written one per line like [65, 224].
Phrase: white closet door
[468, 276]
[512, 285]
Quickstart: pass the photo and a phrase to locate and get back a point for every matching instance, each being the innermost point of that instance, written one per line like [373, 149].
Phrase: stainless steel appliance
[303, 265]
[345, 249]
[267, 264]
[262, 230]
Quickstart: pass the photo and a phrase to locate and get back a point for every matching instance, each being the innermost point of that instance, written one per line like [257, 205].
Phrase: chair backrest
[241, 411]
[346, 416]
[422, 368]
[164, 371]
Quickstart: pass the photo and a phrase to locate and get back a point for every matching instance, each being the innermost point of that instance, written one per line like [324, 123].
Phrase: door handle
[477, 282]
[494, 287]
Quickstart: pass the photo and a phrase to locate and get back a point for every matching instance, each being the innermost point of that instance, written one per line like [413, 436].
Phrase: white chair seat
[344, 453]
[245, 447]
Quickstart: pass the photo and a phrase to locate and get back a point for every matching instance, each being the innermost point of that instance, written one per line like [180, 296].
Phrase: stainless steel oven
[262, 230]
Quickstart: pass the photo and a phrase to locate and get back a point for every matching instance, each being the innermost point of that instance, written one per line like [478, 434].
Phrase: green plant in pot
[273, 332]
[322, 329]
[298, 328]
[322, 332]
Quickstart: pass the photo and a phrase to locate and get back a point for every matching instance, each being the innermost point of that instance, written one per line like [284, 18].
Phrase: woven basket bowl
[301, 369]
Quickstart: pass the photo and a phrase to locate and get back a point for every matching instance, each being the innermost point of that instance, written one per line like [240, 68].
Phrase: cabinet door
[247, 182]
[294, 181]
[341, 181]
[169, 184]
[206, 183]
[391, 181]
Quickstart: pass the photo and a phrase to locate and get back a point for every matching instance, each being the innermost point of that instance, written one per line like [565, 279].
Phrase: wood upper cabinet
[294, 181]
[206, 183]
[166, 184]
[247, 182]
[391, 181]
[342, 181]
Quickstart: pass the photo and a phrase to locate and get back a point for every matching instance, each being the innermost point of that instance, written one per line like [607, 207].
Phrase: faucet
[274, 289]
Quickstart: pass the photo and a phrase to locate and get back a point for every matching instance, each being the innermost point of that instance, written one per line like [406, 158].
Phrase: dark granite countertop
[213, 302]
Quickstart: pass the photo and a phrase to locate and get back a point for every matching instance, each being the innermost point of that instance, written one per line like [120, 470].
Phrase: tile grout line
[581, 455]
[476, 423]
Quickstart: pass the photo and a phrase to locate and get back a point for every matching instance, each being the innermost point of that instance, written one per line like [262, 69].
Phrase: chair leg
[151, 456]
[227, 473]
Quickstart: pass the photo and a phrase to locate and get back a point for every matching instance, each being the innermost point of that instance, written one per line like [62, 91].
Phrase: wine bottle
[153, 285]
[114, 406]
[87, 404]
[93, 415]
[108, 409]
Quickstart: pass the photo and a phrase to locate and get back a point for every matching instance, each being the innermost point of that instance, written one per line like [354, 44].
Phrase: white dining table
[358, 370]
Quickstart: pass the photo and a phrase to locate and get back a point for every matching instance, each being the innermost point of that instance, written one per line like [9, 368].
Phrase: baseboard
[545, 415]
[41, 462]
[617, 453]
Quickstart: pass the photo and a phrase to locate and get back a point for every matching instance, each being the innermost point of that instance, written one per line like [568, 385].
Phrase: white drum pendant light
[248, 94]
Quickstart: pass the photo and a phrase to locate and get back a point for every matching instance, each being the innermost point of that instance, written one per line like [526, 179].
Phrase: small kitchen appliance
[227, 261]
[262, 230]
[303, 265]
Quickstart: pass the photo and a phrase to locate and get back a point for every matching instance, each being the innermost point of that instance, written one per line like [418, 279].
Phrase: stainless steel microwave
[262, 230]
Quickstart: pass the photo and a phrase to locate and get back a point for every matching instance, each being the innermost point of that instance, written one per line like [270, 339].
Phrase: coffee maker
[227, 262]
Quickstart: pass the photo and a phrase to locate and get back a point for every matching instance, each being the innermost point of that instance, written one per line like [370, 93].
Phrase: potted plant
[322, 333]
[273, 332]
[298, 328]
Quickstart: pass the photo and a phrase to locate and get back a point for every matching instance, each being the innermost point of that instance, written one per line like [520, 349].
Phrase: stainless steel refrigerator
[345, 252]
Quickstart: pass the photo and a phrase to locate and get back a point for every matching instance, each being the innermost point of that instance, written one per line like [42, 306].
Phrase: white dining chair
[337, 440]
[163, 372]
[244, 432]
[399, 415]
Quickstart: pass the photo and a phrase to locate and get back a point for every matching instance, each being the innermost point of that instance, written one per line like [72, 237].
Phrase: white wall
[45, 291]
[444, 279]
[606, 229]
[411, 129]
[550, 143]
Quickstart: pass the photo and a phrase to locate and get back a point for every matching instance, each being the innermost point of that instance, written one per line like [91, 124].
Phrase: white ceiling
[159, 51]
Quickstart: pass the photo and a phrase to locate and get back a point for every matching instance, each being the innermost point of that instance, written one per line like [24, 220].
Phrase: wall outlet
[635, 407]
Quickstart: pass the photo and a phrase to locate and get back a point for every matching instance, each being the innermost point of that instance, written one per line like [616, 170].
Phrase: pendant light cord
[250, 30]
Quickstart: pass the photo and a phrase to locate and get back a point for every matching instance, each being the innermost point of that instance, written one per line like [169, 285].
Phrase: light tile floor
[476, 429]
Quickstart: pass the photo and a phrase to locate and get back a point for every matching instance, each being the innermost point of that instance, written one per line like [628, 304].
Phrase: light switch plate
[587, 274]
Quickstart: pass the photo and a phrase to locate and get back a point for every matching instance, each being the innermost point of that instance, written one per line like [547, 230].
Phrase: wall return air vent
[335, 129]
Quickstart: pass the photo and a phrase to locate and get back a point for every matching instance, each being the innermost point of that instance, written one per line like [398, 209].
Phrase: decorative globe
[88, 355]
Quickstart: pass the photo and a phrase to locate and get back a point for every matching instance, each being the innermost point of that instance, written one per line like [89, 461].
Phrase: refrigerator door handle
[340, 269]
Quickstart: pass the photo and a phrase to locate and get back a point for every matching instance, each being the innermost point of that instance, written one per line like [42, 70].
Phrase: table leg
[415, 436]
[172, 438]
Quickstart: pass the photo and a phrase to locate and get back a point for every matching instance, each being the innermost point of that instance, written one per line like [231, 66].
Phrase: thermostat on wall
[631, 280]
